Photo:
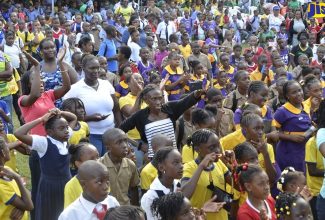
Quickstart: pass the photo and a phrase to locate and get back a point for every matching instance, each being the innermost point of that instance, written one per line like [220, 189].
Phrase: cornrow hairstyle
[255, 86]
[212, 92]
[288, 175]
[76, 151]
[239, 74]
[321, 115]
[167, 206]
[247, 119]
[199, 137]
[243, 149]
[249, 108]
[148, 88]
[286, 87]
[309, 80]
[283, 204]
[246, 173]
[124, 212]
[160, 156]
[200, 116]
[68, 103]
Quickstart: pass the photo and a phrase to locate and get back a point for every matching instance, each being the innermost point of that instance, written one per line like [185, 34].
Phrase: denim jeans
[97, 141]
[320, 207]
[8, 100]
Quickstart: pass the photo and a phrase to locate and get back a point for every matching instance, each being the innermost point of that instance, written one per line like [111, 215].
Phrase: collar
[238, 95]
[157, 185]
[193, 77]
[301, 47]
[264, 110]
[293, 109]
[59, 144]
[269, 213]
[231, 69]
[89, 206]
[179, 71]
[217, 86]
[124, 85]
[108, 162]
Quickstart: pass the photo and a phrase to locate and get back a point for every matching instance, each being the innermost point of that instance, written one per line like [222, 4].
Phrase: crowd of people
[162, 110]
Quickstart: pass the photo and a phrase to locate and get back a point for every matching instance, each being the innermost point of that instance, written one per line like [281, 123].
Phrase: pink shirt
[41, 106]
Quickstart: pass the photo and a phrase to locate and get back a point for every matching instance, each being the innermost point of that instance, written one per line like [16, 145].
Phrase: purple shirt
[238, 114]
[284, 54]
[188, 25]
[159, 56]
[210, 41]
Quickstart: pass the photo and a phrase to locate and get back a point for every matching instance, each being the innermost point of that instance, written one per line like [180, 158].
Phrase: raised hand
[61, 53]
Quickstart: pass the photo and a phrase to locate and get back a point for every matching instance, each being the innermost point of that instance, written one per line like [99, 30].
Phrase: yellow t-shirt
[26, 36]
[188, 154]
[130, 99]
[313, 155]
[202, 193]
[186, 51]
[125, 12]
[147, 175]
[230, 141]
[12, 162]
[83, 132]
[271, 155]
[256, 75]
[8, 191]
[72, 191]
[40, 37]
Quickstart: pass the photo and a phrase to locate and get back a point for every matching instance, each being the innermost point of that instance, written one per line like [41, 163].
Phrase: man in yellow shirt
[125, 10]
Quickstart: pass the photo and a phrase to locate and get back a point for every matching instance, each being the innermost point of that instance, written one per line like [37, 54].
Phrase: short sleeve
[279, 117]
[320, 137]
[135, 180]
[311, 151]
[271, 153]
[187, 154]
[123, 101]
[189, 170]
[39, 144]
[145, 179]
[7, 192]
[237, 116]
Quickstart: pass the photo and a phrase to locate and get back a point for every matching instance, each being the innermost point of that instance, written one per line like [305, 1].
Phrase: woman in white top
[99, 99]
[297, 25]
[134, 44]
[168, 162]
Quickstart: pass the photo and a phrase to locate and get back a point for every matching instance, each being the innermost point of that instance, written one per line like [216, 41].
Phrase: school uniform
[291, 121]
[81, 131]
[147, 175]
[177, 91]
[225, 126]
[188, 154]
[230, 72]
[248, 211]
[12, 164]
[55, 173]
[256, 75]
[121, 89]
[72, 191]
[234, 100]
[83, 209]
[223, 90]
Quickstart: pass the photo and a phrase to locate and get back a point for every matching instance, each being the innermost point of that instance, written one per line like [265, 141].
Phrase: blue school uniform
[291, 121]
[177, 91]
[55, 173]
[121, 89]
[143, 69]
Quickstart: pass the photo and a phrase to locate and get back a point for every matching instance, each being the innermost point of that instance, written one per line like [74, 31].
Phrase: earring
[164, 171]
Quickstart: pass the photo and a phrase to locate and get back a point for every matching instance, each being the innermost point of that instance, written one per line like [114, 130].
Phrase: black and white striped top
[165, 127]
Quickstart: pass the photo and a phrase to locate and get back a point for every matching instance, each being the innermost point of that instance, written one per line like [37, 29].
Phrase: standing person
[54, 160]
[299, 49]
[134, 44]
[297, 25]
[275, 19]
[92, 90]
[158, 117]
[165, 28]
[108, 49]
[293, 120]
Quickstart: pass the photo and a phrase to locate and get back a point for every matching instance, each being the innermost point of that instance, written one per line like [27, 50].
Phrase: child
[161, 54]
[226, 125]
[262, 72]
[259, 204]
[229, 42]
[54, 160]
[177, 78]
[236, 57]
[221, 82]
[248, 56]
[253, 45]
[225, 66]
[79, 154]
[14, 198]
[185, 47]
[212, 42]
[283, 50]
[125, 212]
[81, 130]
[122, 171]
[288, 206]
[94, 201]
[206, 169]
[276, 99]
[283, 33]
[122, 89]
[239, 96]
[168, 162]
[320, 54]
[293, 121]
[144, 65]
[303, 61]
[149, 172]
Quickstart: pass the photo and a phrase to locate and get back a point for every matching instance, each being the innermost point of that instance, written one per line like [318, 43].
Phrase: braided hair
[200, 116]
[199, 137]
[68, 103]
[168, 206]
[284, 202]
[246, 173]
[286, 86]
[76, 151]
[125, 212]
[243, 150]
[255, 87]
[148, 88]
[160, 156]
[288, 175]
[247, 119]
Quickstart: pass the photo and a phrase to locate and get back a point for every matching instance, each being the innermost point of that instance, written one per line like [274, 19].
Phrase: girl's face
[154, 99]
[49, 49]
[255, 130]
[225, 61]
[127, 71]
[163, 46]
[237, 52]
[243, 81]
[208, 124]
[301, 210]
[135, 82]
[91, 70]
[211, 146]
[222, 78]
[36, 25]
[216, 100]
[88, 47]
[316, 90]
[102, 62]
[298, 15]
[135, 36]
[320, 53]
[88, 153]
[299, 182]
[175, 61]
[59, 130]
[172, 165]
[259, 186]
[144, 54]
[252, 41]
[186, 212]
[303, 40]
[260, 97]
[250, 158]
[295, 94]
[199, 69]
[10, 40]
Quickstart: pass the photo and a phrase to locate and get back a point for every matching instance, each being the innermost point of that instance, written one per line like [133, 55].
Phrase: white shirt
[13, 52]
[99, 101]
[135, 48]
[40, 144]
[80, 34]
[161, 29]
[151, 194]
[82, 209]
[275, 22]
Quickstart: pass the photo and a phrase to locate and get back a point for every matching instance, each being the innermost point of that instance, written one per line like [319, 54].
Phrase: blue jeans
[97, 141]
[320, 207]
[8, 100]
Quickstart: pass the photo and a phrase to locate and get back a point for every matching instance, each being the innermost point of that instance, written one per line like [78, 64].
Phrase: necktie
[167, 33]
[100, 211]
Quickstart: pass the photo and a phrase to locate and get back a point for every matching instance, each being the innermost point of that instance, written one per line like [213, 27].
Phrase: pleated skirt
[50, 197]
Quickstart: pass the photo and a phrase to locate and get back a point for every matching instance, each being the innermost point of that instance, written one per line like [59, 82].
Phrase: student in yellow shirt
[38, 36]
[81, 130]
[314, 171]
[79, 154]
[25, 35]
[206, 170]
[185, 48]
[262, 72]
[14, 197]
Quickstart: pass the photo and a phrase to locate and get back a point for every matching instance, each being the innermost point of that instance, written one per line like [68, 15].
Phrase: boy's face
[97, 188]
[119, 146]
[216, 100]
